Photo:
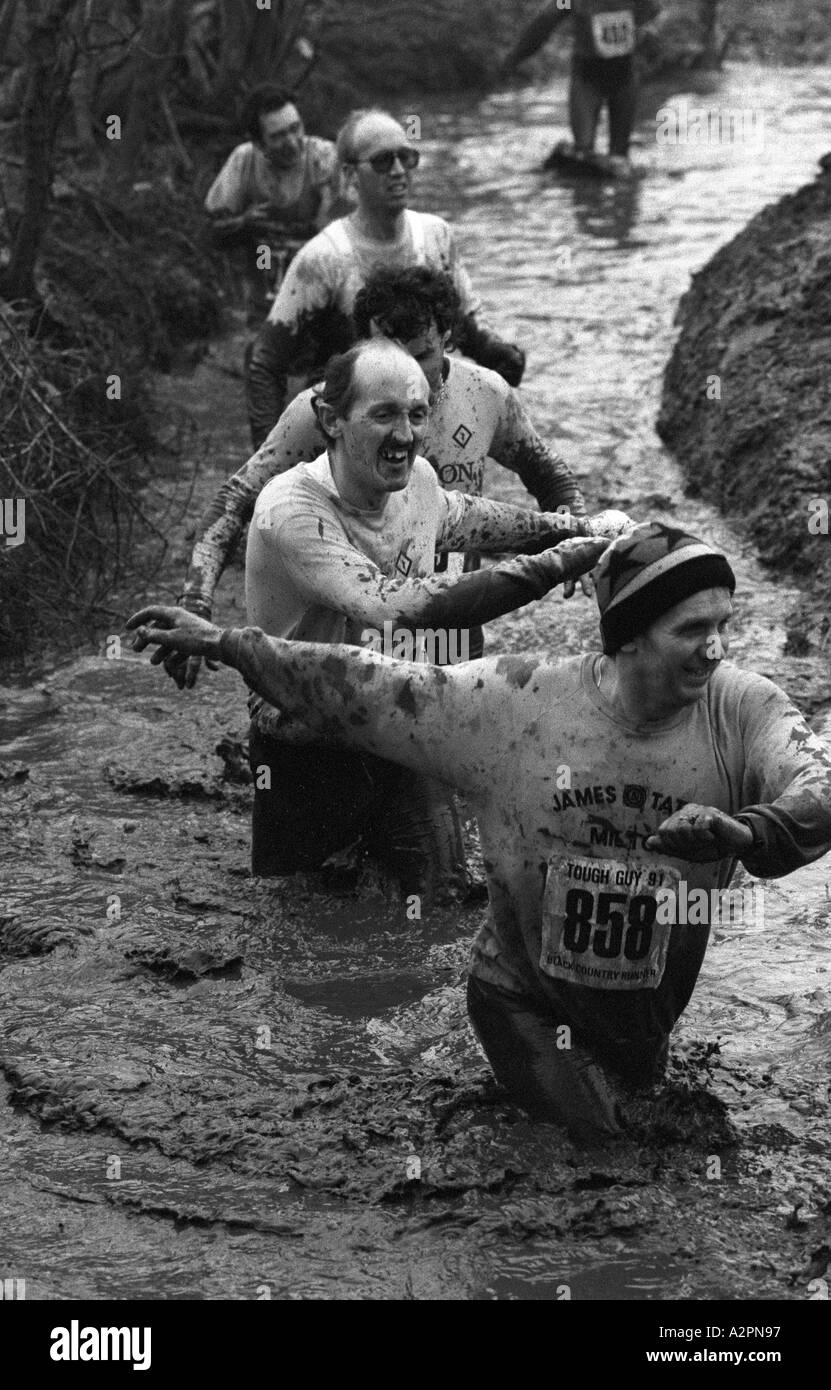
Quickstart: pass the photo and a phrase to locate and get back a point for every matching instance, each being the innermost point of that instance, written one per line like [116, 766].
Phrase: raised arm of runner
[479, 523]
[534, 35]
[328, 572]
[408, 712]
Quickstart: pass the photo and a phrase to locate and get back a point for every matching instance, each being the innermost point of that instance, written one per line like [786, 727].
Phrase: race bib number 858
[614, 33]
[599, 923]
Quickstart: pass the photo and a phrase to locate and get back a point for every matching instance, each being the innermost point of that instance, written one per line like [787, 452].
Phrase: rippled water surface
[264, 1063]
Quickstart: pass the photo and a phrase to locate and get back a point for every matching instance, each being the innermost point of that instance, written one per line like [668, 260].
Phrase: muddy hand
[185, 669]
[174, 630]
[701, 834]
[610, 524]
[607, 525]
[579, 555]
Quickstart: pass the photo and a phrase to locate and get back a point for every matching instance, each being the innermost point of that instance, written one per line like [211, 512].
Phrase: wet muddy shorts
[323, 800]
[608, 76]
[563, 1085]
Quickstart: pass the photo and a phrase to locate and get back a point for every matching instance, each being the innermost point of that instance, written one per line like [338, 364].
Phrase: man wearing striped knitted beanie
[615, 794]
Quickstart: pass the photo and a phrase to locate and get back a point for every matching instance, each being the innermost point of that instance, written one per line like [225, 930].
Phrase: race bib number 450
[599, 923]
[614, 33]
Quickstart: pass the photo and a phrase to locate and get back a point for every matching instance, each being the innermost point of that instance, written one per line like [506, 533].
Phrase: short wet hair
[405, 301]
[338, 390]
[267, 97]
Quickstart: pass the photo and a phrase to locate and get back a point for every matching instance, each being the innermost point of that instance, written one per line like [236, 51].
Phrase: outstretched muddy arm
[433, 719]
[327, 571]
[534, 35]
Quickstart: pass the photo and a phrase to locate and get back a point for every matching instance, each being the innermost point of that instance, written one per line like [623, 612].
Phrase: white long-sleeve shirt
[566, 794]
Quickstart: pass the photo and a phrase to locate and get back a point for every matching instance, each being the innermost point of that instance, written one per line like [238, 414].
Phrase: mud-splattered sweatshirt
[318, 569]
[566, 793]
[475, 416]
[301, 194]
[311, 317]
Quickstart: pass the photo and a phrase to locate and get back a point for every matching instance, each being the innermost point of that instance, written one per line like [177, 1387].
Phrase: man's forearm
[220, 529]
[478, 598]
[347, 696]
[786, 837]
[267, 380]
[493, 527]
[534, 35]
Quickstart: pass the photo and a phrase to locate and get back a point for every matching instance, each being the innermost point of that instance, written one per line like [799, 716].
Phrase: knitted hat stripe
[652, 572]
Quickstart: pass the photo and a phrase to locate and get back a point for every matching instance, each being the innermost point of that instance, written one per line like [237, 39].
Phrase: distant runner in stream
[342, 550]
[474, 415]
[613, 792]
[275, 190]
[602, 68]
[311, 318]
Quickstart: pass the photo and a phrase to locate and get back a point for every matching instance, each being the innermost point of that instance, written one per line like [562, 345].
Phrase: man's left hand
[175, 630]
[701, 834]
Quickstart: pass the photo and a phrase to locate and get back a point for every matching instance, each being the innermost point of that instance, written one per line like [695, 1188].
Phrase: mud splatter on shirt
[311, 318]
[476, 416]
[508, 744]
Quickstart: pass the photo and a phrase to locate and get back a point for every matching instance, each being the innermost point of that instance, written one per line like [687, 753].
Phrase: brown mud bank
[745, 395]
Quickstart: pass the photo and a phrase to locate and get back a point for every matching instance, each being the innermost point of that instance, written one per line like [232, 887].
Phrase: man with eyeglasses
[311, 318]
[277, 188]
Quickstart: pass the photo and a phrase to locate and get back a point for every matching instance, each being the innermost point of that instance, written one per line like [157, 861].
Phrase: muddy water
[217, 1087]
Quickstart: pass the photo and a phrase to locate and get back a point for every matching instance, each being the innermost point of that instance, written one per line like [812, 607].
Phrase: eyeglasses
[384, 160]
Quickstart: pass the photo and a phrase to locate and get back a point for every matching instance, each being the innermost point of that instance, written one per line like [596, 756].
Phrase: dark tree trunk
[49, 64]
[159, 43]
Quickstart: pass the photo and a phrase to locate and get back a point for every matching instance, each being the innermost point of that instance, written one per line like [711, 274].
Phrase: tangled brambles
[74, 401]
